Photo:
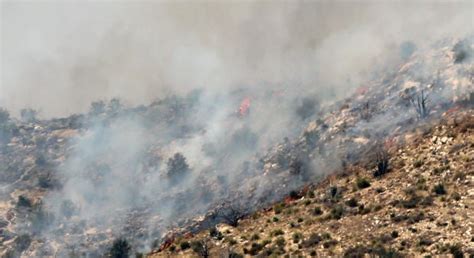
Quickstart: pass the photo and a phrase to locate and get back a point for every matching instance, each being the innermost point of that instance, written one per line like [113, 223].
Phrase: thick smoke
[286, 61]
[72, 53]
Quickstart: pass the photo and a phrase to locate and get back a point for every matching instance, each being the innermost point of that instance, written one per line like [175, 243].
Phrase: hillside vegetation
[422, 206]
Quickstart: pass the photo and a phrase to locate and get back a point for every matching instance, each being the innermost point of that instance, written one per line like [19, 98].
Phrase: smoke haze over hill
[58, 56]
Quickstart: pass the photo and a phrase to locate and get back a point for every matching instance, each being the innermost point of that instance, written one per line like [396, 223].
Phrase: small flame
[244, 106]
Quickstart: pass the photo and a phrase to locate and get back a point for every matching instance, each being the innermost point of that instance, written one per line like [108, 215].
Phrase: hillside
[144, 179]
[422, 206]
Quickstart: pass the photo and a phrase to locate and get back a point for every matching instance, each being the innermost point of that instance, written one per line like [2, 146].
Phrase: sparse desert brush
[439, 189]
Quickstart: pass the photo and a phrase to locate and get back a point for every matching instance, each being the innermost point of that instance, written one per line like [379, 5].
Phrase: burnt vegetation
[420, 102]
[231, 214]
[307, 108]
[382, 159]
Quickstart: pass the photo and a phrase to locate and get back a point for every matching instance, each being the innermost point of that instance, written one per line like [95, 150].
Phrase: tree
[419, 102]
[177, 165]
[28, 115]
[307, 108]
[231, 214]
[97, 107]
[115, 105]
[120, 249]
[4, 116]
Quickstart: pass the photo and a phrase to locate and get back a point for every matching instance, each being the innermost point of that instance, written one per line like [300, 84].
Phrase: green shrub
[277, 232]
[297, 237]
[352, 202]
[439, 189]
[317, 211]
[255, 237]
[312, 240]
[456, 251]
[394, 234]
[23, 201]
[120, 249]
[456, 196]
[278, 208]
[200, 248]
[362, 183]
[337, 212]
[184, 245]
[280, 241]
[418, 163]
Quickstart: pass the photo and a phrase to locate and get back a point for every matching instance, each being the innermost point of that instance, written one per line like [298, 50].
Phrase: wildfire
[244, 106]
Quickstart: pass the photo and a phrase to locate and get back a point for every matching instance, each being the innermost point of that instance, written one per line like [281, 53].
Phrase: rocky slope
[422, 206]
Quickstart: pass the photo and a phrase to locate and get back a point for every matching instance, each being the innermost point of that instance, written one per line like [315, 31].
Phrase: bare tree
[382, 160]
[365, 111]
[231, 214]
[419, 102]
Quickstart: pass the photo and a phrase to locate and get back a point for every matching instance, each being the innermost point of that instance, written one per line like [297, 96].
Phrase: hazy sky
[58, 56]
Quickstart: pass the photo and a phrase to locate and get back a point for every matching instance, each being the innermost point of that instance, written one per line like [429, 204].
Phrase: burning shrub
[177, 166]
[120, 249]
